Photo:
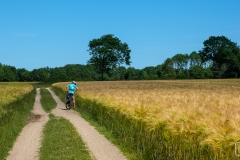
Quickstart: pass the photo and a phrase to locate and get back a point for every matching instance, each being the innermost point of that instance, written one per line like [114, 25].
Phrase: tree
[73, 71]
[57, 74]
[79, 72]
[41, 74]
[23, 75]
[132, 74]
[159, 70]
[9, 73]
[1, 72]
[108, 52]
[168, 71]
[151, 72]
[198, 72]
[195, 59]
[233, 67]
[180, 62]
[219, 49]
[118, 73]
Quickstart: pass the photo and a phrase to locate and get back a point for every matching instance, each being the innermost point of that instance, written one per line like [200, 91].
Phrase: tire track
[98, 145]
[28, 142]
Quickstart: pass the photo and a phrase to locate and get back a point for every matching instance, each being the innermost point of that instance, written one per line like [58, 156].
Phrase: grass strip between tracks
[47, 100]
[61, 141]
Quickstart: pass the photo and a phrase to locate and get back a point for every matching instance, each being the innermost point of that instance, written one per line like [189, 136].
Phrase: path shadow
[64, 109]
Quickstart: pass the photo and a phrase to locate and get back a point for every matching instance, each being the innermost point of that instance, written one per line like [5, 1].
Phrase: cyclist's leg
[74, 105]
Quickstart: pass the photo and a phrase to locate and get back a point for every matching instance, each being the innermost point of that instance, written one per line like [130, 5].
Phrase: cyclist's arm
[75, 90]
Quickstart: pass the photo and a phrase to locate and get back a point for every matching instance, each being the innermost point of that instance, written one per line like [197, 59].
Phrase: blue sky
[40, 33]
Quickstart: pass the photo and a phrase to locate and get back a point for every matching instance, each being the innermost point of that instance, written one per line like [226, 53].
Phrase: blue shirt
[71, 88]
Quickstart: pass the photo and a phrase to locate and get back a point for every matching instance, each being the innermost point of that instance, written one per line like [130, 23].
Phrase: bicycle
[69, 101]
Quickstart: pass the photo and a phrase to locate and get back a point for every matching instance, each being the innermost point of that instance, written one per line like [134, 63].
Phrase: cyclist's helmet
[73, 82]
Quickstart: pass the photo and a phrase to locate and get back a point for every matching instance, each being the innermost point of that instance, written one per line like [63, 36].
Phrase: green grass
[41, 85]
[61, 141]
[47, 101]
[13, 121]
[126, 150]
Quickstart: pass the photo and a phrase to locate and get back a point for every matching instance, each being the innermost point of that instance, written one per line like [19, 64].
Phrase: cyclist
[71, 89]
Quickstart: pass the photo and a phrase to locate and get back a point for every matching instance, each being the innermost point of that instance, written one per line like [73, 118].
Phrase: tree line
[219, 58]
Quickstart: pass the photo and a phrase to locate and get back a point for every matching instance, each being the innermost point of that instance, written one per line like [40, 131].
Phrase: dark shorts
[71, 94]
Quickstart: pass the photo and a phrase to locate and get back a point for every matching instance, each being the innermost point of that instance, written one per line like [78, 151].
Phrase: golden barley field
[10, 91]
[208, 107]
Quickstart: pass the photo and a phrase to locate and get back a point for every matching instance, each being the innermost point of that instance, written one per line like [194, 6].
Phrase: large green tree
[218, 49]
[108, 53]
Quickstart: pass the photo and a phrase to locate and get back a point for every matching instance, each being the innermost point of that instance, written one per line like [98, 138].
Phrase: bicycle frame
[69, 104]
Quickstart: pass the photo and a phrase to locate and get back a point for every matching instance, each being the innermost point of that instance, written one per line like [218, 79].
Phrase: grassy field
[184, 119]
[16, 103]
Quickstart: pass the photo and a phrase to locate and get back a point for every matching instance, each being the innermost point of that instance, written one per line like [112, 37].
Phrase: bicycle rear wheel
[67, 105]
[70, 105]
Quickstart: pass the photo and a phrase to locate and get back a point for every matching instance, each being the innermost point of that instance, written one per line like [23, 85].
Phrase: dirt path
[99, 146]
[29, 142]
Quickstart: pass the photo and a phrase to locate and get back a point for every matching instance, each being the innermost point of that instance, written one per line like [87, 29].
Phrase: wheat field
[209, 108]
[10, 91]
